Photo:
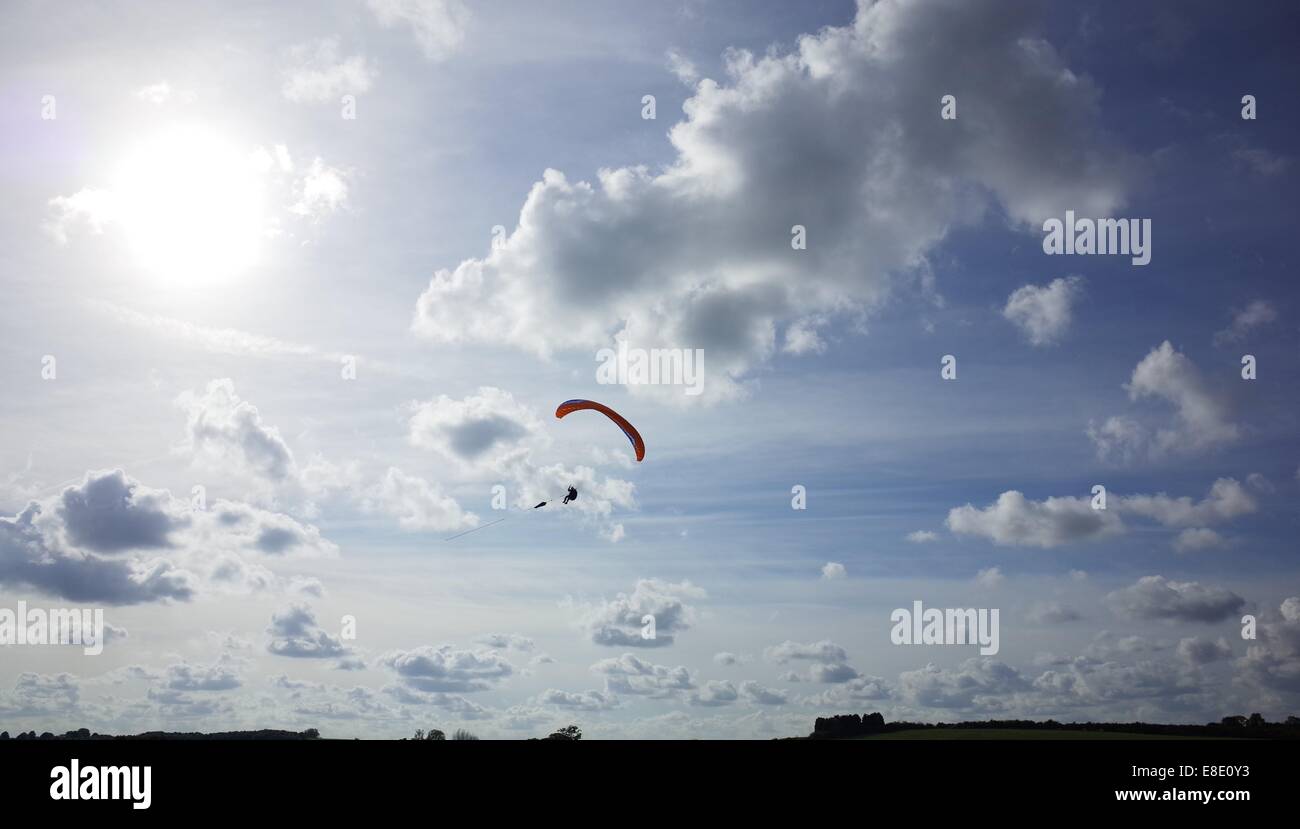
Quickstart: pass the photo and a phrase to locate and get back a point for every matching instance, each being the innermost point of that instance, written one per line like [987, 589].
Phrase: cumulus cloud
[97, 558]
[438, 25]
[761, 695]
[838, 136]
[225, 430]
[1155, 597]
[857, 690]
[321, 191]
[824, 651]
[91, 207]
[622, 622]
[184, 676]
[487, 430]
[1043, 312]
[1202, 420]
[829, 661]
[418, 504]
[446, 668]
[580, 701]
[1016, 520]
[922, 537]
[1272, 662]
[629, 674]
[294, 632]
[1226, 500]
[990, 578]
[977, 682]
[834, 571]
[1052, 613]
[316, 72]
[110, 513]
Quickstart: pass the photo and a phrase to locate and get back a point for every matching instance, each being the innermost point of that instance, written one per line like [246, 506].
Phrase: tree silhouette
[569, 732]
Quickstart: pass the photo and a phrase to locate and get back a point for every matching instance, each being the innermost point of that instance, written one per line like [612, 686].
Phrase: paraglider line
[476, 529]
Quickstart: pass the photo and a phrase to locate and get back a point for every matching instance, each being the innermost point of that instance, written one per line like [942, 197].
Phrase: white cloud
[977, 682]
[225, 430]
[317, 73]
[1198, 538]
[682, 67]
[418, 504]
[990, 578]
[1043, 313]
[628, 674]
[322, 190]
[1227, 499]
[833, 571]
[438, 25]
[824, 651]
[922, 537]
[1016, 520]
[488, 430]
[96, 208]
[161, 93]
[1244, 321]
[838, 136]
[1202, 419]
[620, 622]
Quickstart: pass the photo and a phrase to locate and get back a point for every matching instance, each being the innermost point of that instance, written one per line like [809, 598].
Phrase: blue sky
[200, 237]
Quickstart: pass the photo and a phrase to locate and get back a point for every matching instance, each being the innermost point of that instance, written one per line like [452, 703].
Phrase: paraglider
[571, 495]
[570, 406]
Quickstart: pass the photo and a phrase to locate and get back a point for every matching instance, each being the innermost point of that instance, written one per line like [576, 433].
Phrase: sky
[291, 294]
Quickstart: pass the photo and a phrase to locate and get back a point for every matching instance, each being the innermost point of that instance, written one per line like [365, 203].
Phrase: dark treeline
[853, 725]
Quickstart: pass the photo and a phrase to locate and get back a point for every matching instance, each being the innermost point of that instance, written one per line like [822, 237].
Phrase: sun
[192, 206]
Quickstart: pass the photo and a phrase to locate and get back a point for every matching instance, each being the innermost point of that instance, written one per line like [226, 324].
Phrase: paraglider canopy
[633, 435]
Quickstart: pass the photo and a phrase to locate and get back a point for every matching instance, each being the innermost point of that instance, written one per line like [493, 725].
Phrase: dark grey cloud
[31, 557]
[448, 669]
[294, 633]
[1155, 597]
[109, 513]
[757, 693]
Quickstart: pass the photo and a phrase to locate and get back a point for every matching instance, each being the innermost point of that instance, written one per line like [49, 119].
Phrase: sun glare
[192, 206]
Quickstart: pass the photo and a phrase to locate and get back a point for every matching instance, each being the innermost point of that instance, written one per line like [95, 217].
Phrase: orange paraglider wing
[628, 429]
